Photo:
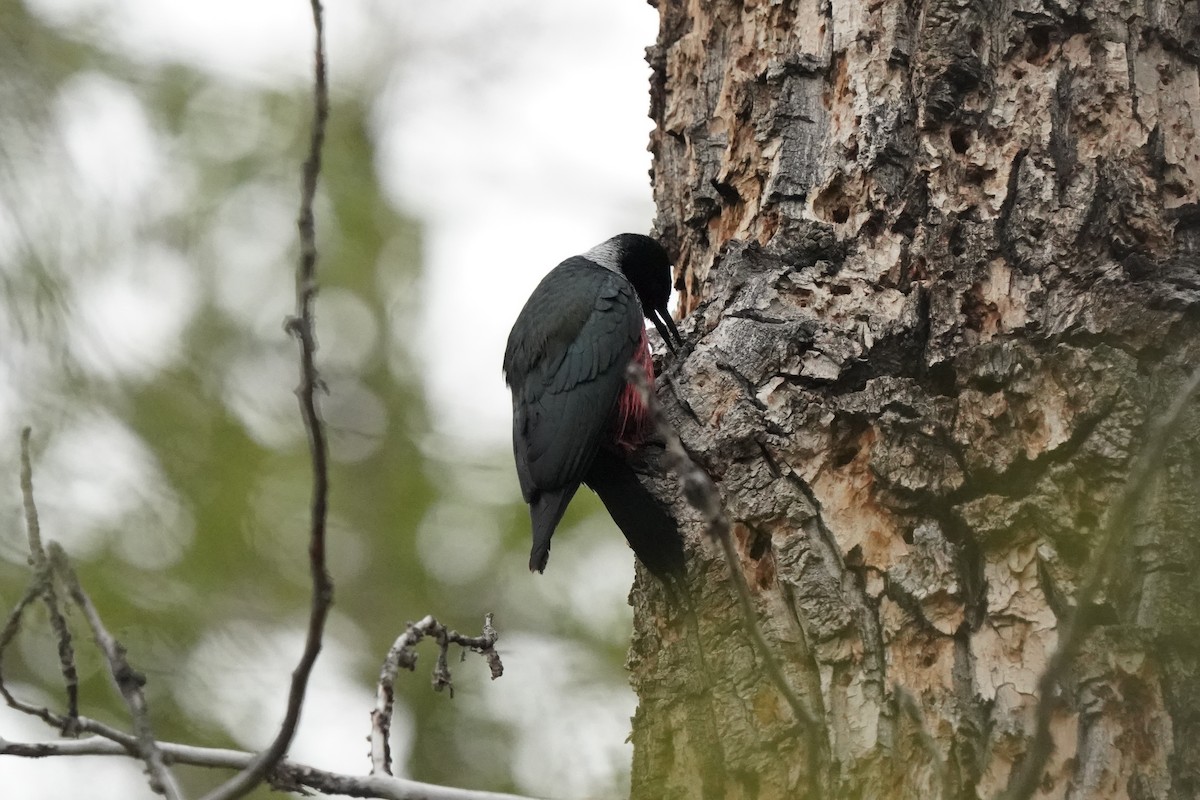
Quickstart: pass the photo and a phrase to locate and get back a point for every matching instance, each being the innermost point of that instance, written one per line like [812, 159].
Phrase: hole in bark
[927, 660]
[759, 544]
[907, 535]
[977, 175]
[855, 557]
[918, 270]
[839, 289]
[960, 140]
[975, 39]
[1039, 45]
[872, 226]
[1072, 550]
[844, 456]
[942, 379]
[727, 192]
[841, 214]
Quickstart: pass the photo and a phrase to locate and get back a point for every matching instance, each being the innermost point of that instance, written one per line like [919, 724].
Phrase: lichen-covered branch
[50, 565]
[44, 579]
[128, 681]
[283, 774]
[288, 775]
[403, 655]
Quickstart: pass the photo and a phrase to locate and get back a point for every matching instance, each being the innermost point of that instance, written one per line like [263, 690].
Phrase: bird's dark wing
[565, 363]
[647, 524]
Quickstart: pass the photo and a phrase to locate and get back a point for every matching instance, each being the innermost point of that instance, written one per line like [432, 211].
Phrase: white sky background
[533, 163]
[516, 132]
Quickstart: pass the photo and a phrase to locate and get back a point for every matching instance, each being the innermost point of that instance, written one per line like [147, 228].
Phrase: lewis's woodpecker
[576, 419]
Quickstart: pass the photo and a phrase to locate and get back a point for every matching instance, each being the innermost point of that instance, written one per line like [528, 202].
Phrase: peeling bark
[940, 265]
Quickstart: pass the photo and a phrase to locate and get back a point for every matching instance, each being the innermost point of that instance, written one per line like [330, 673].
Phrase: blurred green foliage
[205, 540]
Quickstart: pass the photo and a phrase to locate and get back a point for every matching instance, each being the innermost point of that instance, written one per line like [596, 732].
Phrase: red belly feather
[633, 418]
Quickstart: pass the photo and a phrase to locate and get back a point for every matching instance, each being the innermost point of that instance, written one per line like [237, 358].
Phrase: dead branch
[49, 564]
[128, 681]
[403, 654]
[287, 774]
[66, 724]
[44, 580]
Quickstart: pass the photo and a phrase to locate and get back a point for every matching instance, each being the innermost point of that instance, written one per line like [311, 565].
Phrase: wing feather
[565, 364]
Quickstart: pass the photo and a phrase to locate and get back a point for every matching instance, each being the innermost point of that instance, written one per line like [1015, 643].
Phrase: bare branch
[287, 773]
[302, 327]
[128, 681]
[50, 562]
[44, 580]
[703, 495]
[403, 654]
[11, 627]
[1026, 776]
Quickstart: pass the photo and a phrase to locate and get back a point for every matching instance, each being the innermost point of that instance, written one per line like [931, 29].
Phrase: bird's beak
[666, 328]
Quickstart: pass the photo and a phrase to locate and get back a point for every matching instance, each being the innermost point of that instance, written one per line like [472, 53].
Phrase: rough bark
[940, 265]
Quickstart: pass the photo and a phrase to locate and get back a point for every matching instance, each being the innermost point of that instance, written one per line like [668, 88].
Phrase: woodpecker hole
[841, 214]
[872, 227]
[759, 544]
[1033, 422]
[957, 246]
[960, 140]
[1039, 45]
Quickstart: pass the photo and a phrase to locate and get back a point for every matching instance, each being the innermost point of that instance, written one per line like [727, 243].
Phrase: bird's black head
[647, 266]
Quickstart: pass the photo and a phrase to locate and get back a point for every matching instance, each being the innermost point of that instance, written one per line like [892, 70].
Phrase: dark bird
[576, 418]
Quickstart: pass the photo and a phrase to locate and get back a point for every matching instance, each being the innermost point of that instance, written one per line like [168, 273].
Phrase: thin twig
[49, 562]
[288, 773]
[129, 682]
[702, 494]
[1027, 775]
[84, 725]
[403, 654]
[44, 579]
[302, 327]
[11, 627]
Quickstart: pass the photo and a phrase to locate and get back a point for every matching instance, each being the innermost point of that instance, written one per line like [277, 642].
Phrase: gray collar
[607, 254]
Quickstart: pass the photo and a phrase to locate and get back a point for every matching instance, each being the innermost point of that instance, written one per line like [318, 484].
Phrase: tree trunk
[939, 266]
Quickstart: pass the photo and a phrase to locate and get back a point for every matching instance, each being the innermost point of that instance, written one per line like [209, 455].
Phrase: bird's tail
[651, 531]
[545, 513]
